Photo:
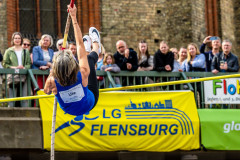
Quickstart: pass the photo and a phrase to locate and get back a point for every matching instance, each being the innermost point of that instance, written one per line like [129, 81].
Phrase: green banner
[220, 128]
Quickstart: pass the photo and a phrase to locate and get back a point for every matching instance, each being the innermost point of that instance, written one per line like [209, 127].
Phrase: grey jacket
[115, 69]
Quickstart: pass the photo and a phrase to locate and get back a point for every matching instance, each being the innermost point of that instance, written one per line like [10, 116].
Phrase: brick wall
[3, 26]
[11, 19]
[153, 21]
[178, 22]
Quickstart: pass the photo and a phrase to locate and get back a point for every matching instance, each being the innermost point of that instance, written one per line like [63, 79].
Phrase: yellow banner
[134, 121]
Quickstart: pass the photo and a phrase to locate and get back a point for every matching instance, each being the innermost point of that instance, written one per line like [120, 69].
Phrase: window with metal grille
[38, 17]
[27, 17]
[48, 16]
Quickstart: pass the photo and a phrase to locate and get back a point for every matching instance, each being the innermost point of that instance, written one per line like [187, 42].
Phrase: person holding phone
[216, 44]
[225, 61]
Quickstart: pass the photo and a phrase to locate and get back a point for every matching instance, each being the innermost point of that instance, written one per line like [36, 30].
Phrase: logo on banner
[141, 111]
[222, 91]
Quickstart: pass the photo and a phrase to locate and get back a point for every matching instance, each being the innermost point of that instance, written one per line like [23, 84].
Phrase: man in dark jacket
[163, 59]
[225, 61]
[125, 58]
[216, 45]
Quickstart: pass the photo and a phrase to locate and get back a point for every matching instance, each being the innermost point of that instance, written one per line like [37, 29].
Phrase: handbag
[17, 78]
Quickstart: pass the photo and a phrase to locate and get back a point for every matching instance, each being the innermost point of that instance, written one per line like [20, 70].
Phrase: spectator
[73, 48]
[195, 61]
[163, 58]
[126, 59]
[16, 57]
[59, 45]
[216, 44]
[174, 50]
[100, 58]
[182, 55]
[145, 61]
[99, 64]
[42, 56]
[109, 65]
[176, 68]
[225, 61]
[27, 45]
[176, 64]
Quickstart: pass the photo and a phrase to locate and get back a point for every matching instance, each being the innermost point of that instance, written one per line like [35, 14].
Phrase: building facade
[177, 22]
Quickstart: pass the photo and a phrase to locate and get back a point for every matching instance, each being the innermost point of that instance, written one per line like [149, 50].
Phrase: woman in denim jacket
[42, 56]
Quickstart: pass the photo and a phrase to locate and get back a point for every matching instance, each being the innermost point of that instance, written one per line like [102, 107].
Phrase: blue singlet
[75, 99]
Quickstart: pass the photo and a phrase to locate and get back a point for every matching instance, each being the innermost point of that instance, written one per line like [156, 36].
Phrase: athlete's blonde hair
[65, 68]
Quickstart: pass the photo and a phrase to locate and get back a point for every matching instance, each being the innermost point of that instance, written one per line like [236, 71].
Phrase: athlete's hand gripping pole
[67, 27]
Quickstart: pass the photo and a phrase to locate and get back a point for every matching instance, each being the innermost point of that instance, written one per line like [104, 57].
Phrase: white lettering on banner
[231, 127]
[72, 95]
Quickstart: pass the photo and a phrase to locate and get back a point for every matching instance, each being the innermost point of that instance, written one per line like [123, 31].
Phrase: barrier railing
[108, 81]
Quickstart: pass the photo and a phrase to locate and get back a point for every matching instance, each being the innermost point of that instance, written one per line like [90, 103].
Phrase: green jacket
[10, 58]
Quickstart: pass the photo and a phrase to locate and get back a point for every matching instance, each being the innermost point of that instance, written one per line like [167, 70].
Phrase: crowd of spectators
[218, 58]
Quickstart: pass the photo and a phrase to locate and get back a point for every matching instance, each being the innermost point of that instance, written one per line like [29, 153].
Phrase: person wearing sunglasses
[59, 45]
[27, 45]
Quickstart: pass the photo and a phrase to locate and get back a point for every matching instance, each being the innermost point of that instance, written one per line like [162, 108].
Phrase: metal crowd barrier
[107, 80]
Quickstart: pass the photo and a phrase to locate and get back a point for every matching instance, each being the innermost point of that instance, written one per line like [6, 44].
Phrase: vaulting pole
[53, 128]
[55, 99]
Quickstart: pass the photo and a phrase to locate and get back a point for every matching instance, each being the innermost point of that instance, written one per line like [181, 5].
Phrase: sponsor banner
[134, 121]
[222, 91]
[220, 128]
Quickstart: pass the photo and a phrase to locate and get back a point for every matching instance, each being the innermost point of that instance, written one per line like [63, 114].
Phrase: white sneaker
[95, 36]
[87, 43]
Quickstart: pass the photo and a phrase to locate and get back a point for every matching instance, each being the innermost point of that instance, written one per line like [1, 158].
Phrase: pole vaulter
[74, 84]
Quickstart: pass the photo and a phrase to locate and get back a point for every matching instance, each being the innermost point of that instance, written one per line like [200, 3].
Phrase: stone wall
[3, 26]
[154, 21]
[227, 21]
[237, 25]
[198, 22]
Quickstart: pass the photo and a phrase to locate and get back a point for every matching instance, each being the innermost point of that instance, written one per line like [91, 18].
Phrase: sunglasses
[60, 44]
[26, 44]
